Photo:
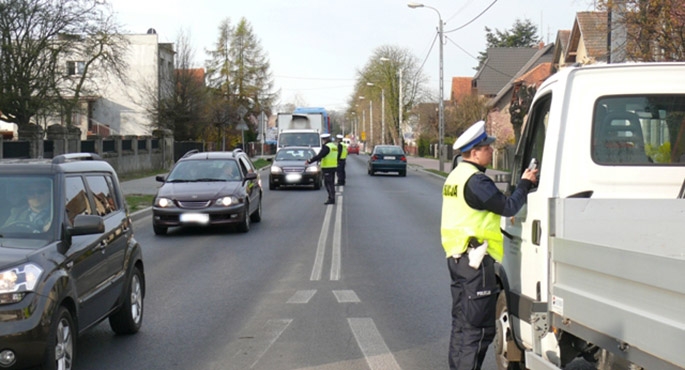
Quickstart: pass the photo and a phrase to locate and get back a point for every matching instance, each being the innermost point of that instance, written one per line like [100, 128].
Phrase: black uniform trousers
[474, 305]
[341, 171]
[329, 182]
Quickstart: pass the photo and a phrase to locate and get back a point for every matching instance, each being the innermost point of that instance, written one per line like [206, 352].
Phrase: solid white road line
[335, 258]
[321, 246]
[302, 296]
[372, 345]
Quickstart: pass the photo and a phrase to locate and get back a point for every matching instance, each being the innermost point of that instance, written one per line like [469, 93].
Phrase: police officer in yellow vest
[329, 165]
[471, 209]
[342, 157]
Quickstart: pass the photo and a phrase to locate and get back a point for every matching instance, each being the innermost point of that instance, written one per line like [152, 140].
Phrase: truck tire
[502, 333]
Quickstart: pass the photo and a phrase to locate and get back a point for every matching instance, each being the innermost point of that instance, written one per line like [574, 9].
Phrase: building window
[75, 68]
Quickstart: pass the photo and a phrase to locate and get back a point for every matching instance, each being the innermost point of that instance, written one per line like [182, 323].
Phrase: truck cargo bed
[617, 276]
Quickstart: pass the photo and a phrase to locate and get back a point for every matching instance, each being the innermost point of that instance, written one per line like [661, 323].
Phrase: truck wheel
[504, 338]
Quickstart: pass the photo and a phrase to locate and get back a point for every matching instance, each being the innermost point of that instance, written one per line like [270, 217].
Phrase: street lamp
[399, 101]
[382, 111]
[441, 106]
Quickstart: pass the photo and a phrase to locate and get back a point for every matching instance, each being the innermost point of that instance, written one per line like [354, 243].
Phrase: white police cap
[473, 136]
[325, 136]
[339, 136]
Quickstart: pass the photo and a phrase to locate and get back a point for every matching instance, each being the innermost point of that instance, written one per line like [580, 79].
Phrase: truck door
[525, 253]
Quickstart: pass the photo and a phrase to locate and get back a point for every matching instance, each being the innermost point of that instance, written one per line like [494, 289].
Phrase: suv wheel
[159, 230]
[61, 346]
[129, 317]
[257, 215]
[244, 226]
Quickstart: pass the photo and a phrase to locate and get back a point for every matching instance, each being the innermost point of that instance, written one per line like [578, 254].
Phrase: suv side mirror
[87, 224]
[160, 178]
[250, 176]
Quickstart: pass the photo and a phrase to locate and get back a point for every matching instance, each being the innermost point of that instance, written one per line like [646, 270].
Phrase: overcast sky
[316, 47]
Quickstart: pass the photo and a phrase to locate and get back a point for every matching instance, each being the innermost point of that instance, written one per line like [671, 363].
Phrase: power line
[474, 19]
[485, 64]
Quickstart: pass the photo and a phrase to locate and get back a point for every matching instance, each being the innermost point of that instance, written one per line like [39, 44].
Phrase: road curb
[137, 215]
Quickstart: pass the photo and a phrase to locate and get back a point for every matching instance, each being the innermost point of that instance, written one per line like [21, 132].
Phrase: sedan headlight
[312, 169]
[17, 281]
[276, 170]
[164, 202]
[227, 201]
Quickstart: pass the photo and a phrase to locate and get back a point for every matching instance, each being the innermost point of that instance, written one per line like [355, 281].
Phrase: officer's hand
[306, 161]
[531, 175]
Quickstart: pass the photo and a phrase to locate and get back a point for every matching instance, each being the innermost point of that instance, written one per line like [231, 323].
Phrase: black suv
[68, 258]
[209, 188]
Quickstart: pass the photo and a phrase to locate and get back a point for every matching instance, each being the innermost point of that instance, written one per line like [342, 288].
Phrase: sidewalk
[143, 186]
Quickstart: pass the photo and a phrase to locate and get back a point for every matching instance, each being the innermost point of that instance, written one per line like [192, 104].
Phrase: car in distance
[289, 168]
[68, 258]
[353, 148]
[387, 158]
[208, 189]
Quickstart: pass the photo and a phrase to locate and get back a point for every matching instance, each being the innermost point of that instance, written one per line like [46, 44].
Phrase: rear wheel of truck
[504, 338]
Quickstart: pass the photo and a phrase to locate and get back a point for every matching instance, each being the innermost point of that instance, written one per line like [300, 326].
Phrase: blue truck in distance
[326, 129]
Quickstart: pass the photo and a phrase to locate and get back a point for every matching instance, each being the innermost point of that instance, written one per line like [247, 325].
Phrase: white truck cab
[594, 263]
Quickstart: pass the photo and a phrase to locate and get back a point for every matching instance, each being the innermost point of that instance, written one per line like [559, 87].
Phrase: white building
[121, 108]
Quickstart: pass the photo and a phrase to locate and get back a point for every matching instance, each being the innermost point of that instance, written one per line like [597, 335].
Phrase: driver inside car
[35, 211]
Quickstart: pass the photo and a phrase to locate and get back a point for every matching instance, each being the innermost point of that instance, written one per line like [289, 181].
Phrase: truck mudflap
[616, 276]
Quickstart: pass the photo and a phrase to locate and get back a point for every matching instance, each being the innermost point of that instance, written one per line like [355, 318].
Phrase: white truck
[300, 129]
[594, 264]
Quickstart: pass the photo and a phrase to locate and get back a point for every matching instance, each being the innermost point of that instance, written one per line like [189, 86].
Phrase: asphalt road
[359, 285]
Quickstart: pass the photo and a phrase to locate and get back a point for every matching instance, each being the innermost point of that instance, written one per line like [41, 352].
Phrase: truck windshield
[299, 139]
[639, 130]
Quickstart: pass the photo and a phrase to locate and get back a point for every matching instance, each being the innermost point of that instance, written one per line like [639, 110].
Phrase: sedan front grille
[293, 169]
[194, 204]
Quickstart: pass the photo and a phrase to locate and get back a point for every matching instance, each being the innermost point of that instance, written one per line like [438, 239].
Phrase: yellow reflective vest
[343, 154]
[331, 159]
[461, 222]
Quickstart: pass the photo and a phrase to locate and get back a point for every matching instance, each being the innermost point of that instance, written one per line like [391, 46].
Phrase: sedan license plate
[293, 177]
[389, 157]
[195, 218]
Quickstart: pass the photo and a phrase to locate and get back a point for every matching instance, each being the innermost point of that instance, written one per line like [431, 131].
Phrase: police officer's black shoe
[329, 202]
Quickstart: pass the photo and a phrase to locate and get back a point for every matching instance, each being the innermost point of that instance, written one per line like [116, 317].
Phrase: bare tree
[97, 54]
[383, 70]
[31, 50]
[655, 29]
[182, 106]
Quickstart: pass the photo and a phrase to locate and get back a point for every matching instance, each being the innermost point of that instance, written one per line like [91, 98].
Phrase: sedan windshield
[294, 154]
[205, 170]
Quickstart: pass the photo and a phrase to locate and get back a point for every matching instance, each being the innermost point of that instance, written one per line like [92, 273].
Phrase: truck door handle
[536, 232]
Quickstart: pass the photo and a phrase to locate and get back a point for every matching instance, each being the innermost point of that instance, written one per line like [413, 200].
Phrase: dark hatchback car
[68, 258]
[288, 169]
[387, 158]
[209, 189]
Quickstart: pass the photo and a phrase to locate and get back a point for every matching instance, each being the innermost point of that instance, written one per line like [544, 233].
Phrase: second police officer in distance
[342, 157]
[329, 165]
